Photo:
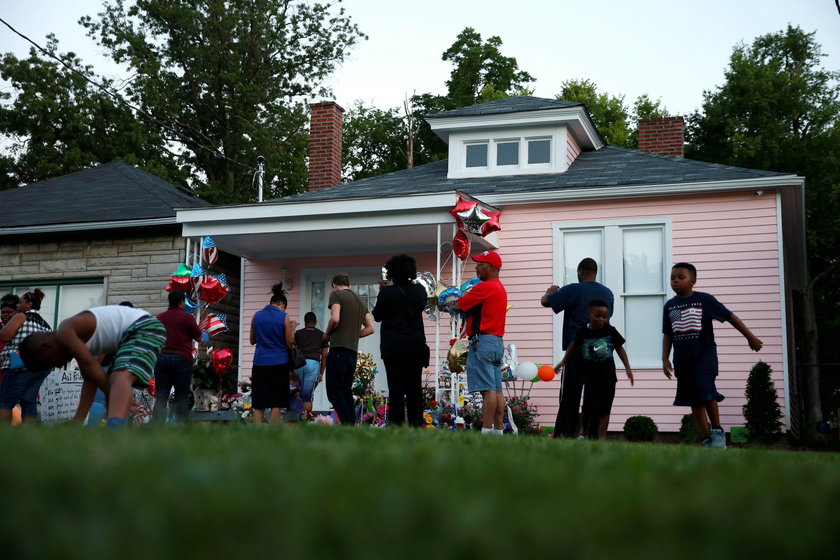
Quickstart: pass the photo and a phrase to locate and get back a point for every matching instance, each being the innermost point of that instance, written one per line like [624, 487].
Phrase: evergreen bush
[640, 428]
[762, 411]
[688, 430]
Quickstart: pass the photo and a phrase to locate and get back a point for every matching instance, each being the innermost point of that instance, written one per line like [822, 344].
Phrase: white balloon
[526, 371]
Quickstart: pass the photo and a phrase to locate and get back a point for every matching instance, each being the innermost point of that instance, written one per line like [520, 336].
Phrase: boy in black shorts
[592, 349]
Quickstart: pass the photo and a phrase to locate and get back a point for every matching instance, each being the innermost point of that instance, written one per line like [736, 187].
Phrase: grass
[326, 492]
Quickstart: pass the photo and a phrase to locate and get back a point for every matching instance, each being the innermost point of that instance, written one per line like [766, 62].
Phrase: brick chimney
[662, 136]
[325, 145]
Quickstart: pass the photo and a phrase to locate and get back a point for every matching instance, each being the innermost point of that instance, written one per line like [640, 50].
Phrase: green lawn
[214, 491]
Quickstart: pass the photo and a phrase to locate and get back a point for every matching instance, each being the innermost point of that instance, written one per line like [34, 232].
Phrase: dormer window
[520, 135]
[539, 151]
[507, 153]
[476, 154]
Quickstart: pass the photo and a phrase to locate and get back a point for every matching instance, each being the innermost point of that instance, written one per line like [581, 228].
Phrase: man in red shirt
[174, 367]
[486, 307]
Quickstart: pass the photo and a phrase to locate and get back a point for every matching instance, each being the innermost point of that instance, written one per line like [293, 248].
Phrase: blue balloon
[447, 298]
[467, 286]
[189, 305]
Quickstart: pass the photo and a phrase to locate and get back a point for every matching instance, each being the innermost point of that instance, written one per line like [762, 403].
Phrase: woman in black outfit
[399, 307]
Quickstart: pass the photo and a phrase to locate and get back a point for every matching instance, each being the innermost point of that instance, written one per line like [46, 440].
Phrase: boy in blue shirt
[687, 326]
[593, 348]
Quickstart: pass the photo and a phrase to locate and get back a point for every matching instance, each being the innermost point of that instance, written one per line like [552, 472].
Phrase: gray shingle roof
[608, 167]
[518, 104]
[115, 191]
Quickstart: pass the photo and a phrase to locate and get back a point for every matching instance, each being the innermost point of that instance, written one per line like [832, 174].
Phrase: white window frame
[611, 273]
[498, 141]
[55, 317]
[458, 143]
[486, 144]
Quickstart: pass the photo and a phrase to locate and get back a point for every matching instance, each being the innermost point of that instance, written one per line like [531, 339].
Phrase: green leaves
[218, 82]
[614, 121]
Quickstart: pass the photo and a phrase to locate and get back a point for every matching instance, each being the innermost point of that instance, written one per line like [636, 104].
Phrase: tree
[480, 68]
[611, 116]
[480, 73]
[228, 77]
[373, 142]
[778, 110]
[60, 122]
[762, 412]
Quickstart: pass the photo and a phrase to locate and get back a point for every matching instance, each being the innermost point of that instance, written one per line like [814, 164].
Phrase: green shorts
[139, 348]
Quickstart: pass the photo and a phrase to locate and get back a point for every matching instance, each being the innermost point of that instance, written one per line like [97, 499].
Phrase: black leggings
[405, 390]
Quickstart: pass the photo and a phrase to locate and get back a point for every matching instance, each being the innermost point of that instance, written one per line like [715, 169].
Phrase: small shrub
[688, 430]
[640, 428]
[762, 411]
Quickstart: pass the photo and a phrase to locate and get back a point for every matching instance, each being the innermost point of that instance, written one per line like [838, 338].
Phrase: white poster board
[59, 395]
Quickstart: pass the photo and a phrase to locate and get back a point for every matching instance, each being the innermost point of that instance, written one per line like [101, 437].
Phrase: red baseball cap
[490, 257]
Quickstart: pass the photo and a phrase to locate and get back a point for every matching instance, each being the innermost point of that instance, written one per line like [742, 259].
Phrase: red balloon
[492, 224]
[211, 290]
[545, 373]
[182, 283]
[461, 245]
[220, 360]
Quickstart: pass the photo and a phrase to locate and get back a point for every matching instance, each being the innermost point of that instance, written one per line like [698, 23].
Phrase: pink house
[563, 195]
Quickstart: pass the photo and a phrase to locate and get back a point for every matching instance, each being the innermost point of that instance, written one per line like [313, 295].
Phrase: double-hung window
[62, 298]
[632, 257]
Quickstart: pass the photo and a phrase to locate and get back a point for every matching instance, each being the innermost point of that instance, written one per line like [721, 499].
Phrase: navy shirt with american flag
[688, 321]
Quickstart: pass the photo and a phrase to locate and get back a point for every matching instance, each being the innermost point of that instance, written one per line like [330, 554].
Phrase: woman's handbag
[296, 358]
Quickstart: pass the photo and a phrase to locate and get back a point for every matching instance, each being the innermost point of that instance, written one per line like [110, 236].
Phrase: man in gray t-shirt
[349, 321]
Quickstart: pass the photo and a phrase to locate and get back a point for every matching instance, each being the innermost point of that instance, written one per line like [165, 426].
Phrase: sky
[672, 50]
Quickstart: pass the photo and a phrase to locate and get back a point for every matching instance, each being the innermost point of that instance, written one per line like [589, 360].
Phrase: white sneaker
[718, 438]
[706, 442]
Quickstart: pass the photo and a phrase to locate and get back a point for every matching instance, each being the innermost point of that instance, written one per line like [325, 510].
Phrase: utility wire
[120, 99]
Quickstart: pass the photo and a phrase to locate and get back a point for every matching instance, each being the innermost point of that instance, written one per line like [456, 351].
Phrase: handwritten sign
[60, 395]
[62, 388]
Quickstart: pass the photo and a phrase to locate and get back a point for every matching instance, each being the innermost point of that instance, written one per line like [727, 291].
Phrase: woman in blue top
[273, 333]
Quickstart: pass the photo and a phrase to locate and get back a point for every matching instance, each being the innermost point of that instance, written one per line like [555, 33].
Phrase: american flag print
[211, 254]
[686, 319]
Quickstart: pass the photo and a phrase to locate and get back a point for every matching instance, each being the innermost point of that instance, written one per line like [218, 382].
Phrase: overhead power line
[186, 139]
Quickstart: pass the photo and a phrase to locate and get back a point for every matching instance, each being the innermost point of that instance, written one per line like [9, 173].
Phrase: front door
[315, 295]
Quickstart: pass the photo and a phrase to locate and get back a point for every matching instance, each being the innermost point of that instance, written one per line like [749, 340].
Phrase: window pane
[539, 151]
[507, 153]
[476, 155]
[316, 300]
[47, 310]
[76, 298]
[643, 260]
[643, 329]
[577, 245]
[373, 295]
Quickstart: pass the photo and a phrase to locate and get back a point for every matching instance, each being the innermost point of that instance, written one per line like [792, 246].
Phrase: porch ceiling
[357, 241]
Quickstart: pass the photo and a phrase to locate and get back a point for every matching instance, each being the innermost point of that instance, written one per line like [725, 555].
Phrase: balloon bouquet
[204, 289]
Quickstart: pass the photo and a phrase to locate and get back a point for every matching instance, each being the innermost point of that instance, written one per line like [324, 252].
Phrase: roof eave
[322, 214]
[647, 190]
[86, 226]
